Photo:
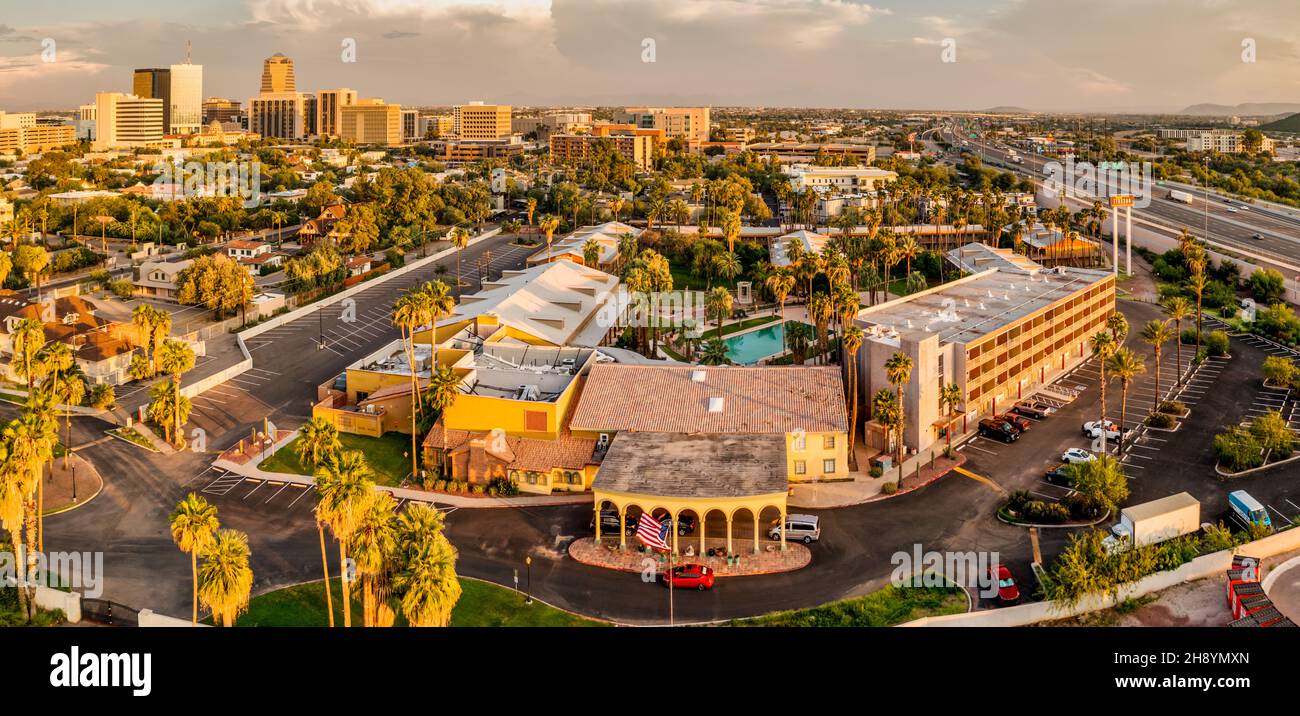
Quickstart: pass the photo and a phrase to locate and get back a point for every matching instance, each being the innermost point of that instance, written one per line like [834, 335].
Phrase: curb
[569, 551]
[1031, 525]
[883, 497]
[1231, 475]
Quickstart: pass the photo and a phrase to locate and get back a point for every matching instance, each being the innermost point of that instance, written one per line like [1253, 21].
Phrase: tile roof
[565, 452]
[681, 465]
[767, 399]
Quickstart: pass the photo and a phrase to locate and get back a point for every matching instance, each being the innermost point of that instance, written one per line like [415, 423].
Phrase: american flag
[651, 533]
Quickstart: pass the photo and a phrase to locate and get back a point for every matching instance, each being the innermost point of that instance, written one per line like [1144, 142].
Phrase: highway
[1279, 234]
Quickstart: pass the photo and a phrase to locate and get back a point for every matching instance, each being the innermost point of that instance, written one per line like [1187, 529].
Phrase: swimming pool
[750, 348]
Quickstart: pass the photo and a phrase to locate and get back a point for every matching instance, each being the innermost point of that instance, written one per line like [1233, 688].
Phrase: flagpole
[671, 619]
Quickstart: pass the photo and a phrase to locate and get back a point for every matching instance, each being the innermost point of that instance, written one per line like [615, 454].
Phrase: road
[1280, 233]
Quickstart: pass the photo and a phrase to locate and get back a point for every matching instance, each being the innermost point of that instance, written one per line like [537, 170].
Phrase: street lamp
[528, 587]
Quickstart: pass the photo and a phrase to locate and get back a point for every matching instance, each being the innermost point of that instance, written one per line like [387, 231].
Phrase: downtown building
[690, 124]
[580, 148]
[372, 121]
[329, 110]
[22, 133]
[126, 121]
[479, 121]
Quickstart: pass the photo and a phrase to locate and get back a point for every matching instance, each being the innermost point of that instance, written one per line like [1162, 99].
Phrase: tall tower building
[186, 98]
[123, 120]
[277, 75]
[155, 84]
[482, 121]
[330, 104]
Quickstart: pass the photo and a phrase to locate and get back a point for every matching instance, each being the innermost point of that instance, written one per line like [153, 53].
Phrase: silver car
[799, 528]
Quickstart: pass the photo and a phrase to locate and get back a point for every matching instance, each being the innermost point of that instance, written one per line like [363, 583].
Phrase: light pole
[1205, 186]
[528, 588]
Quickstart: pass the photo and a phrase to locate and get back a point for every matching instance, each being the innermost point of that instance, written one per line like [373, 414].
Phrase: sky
[1047, 55]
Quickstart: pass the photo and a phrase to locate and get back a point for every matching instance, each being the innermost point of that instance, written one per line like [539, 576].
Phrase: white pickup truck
[1092, 429]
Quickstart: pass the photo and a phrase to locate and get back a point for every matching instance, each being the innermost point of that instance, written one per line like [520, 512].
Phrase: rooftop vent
[697, 376]
[715, 405]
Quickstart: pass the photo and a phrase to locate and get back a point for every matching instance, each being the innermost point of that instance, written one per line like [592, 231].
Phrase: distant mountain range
[1286, 124]
[1246, 109]
[1006, 109]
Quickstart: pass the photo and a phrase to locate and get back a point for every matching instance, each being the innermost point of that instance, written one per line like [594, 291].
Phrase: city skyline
[820, 53]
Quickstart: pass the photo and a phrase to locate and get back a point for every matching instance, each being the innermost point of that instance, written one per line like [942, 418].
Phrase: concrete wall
[69, 602]
[1199, 568]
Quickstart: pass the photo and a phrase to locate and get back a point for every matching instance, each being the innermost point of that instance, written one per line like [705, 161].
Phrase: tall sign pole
[1125, 202]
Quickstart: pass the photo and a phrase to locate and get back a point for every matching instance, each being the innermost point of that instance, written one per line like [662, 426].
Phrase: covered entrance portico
[699, 482]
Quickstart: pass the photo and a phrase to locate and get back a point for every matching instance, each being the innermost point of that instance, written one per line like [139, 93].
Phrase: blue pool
[750, 348]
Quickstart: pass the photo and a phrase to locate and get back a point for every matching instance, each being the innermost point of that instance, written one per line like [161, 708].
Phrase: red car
[1008, 592]
[1016, 421]
[689, 576]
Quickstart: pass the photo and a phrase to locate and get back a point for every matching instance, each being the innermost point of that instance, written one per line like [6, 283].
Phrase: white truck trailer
[1155, 521]
[1182, 196]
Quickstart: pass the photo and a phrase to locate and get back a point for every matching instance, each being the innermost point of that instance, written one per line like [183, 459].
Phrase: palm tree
[548, 225]
[194, 528]
[1196, 283]
[616, 206]
[27, 338]
[176, 358]
[14, 484]
[1117, 324]
[444, 388]
[1124, 365]
[343, 484]
[1178, 308]
[372, 547]
[730, 225]
[820, 309]
[898, 371]
[714, 352]
[852, 341]
[908, 249]
[428, 582]
[70, 386]
[591, 253]
[318, 440]
[408, 315]
[226, 580]
[950, 396]
[1155, 334]
[459, 238]
[531, 208]
[780, 283]
[727, 266]
[718, 303]
[1103, 347]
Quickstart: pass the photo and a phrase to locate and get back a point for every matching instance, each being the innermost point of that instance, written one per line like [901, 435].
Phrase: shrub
[1084, 507]
[504, 486]
[1238, 449]
[1278, 370]
[889, 488]
[1050, 513]
[123, 289]
[1188, 336]
[1173, 407]
[1216, 343]
[1273, 434]
[876, 471]
[476, 489]
[1017, 500]
[1164, 421]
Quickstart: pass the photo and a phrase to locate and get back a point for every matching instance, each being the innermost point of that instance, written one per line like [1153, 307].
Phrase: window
[799, 442]
[828, 467]
[800, 467]
[828, 442]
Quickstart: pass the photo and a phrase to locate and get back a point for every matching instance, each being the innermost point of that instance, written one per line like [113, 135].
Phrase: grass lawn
[389, 456]
[887, 607]
[481, 605]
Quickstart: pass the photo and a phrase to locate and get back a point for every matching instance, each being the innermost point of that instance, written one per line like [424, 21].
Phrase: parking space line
[276, 493]
[305, 490]
[255, 489]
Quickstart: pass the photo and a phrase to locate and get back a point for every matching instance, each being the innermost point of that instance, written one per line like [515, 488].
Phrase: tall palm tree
[428, 582]
[459, 238]
[1196, 283]
[444, 388]
[194, 528]
[852, 341]
[1103, 347]
[372, 547]
[26, 340]
[15, 480]
[1178, 308]
[898, 371]
[70, 387]
[908, 249]
[176, 358]
[1117, 324]
[408, 315]
[1156, 334]
[343, 484]
[1124, 365]
[819, 310]
[950, 396]
[226, 579]
[548, 224]
[780, 283]
[616, 206]
[718, 303]
[531, 207]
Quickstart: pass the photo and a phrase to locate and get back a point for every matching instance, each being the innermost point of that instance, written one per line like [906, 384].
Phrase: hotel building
[329, 110]
[124, 121]
[579, 148]
[690, 124]
[999, 334]
[281, 115]
[372, 121]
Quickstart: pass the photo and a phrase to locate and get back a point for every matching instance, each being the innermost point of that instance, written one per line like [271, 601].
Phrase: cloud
[398, 35]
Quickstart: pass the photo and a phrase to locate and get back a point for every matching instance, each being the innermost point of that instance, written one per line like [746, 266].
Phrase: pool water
[750, 348]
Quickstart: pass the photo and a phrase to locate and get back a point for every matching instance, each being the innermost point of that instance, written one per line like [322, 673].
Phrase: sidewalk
[864, 488]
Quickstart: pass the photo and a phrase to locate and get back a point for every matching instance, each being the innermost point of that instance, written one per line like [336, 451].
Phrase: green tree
[318, 441]
[714, 352]
[194, 529]
[1124, 365]
[343, 485]
[444, 389]
[226, 579]
[1101, 480]
[176, 358]
[1156, 334]
[1278, 370]
[1178, 309]
[717, 303]
[898, 371]
[426, 580]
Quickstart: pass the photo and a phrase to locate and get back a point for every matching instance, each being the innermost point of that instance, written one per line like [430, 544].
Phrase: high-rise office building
[220, 109]
[186, 98]
[86, 122]
[330, 104]
[124, 120]
[277, 75]
[482, 121]
[155, 84]
[280, 115]
[410, 125]
[690, 124]
[371, 121]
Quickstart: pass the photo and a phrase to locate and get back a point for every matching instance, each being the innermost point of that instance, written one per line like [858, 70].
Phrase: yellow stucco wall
[813, 455]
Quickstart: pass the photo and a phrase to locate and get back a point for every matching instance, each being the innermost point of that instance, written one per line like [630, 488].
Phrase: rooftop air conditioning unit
[697, 376]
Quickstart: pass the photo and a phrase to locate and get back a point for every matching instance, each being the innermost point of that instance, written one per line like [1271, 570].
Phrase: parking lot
[1222, 391]
[269, 496]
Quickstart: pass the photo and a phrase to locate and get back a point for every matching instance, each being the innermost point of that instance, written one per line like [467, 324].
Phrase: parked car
[1059, 475]
[609, 523]
[798, 528]
[998, 430]
[689, 576]
[1092, 429]
[1077, 455]
[1033, 409]
[1008, 591]
[1016, 421]
[1257, 237]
